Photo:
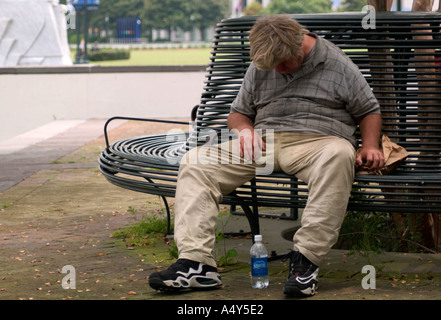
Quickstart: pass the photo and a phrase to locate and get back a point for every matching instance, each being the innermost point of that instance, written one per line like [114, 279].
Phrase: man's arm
[370, 154]
[239, 121]
[251, 144]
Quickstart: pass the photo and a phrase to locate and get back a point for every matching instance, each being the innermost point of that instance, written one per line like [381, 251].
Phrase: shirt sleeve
[360, 99]
[244, 102]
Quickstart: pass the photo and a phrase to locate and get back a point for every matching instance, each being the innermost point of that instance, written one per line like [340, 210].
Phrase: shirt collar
[316, 56]
[318, 52]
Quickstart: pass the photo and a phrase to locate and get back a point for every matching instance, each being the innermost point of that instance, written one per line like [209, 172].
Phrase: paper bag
[393, 154]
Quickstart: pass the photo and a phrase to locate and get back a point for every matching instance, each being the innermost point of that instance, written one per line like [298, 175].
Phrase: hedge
[109, 54]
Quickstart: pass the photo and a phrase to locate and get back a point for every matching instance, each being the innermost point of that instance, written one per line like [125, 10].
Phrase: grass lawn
[157, 57]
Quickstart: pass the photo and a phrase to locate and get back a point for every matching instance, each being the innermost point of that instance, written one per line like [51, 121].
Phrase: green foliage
[160, 14]
[173, 250]
[151, 229]
[298, 6]
[366, 232]
[148, 230]
[162, 57]
[223, 256]
[353, 5]
[228, 258]
[109, 54]
[254, 8]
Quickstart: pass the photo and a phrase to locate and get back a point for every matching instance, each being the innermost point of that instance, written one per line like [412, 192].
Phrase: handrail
[135, 119]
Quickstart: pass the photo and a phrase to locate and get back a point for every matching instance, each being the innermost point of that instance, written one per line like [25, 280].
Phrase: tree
[160, 14]
[298, 6]
[170, 14]
[205, 13]
[352, 5]
[163, 14]
[253, 8]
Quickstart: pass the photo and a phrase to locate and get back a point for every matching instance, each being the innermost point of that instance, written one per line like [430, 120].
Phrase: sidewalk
[58, 210]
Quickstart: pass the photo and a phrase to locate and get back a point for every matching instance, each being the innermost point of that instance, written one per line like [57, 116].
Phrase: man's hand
[371, 158]
[251, 144]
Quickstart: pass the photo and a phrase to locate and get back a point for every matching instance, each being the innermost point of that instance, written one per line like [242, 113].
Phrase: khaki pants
[325, 163]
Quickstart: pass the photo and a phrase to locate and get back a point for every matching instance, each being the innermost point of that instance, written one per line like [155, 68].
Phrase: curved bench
[400, 60]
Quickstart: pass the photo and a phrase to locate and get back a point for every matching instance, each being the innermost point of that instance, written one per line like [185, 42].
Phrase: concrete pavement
[33, 151]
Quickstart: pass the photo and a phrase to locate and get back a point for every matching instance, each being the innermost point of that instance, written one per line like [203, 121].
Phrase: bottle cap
[258, 237]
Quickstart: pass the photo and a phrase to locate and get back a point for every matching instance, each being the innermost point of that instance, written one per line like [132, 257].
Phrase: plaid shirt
[326, 95]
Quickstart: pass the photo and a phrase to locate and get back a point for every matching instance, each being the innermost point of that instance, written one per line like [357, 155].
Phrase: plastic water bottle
[259, 264]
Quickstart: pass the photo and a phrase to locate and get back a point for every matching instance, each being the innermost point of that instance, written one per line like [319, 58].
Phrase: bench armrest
[135, 119]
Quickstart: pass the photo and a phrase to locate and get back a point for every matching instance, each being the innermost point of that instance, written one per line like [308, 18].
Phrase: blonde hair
[275, 38]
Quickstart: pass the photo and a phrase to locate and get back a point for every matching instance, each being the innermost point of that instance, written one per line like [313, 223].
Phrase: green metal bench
[400, 60]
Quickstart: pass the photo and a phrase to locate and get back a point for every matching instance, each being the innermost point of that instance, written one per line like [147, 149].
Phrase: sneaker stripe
[305, 280]
[191, 271]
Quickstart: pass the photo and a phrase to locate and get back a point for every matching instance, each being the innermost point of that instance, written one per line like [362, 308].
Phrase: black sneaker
[186, 274]
[302, 278]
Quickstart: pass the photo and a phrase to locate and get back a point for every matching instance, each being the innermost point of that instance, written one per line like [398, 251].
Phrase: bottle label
[259, 267]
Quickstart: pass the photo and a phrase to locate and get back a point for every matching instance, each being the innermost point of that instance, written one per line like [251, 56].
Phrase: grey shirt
[326, 95]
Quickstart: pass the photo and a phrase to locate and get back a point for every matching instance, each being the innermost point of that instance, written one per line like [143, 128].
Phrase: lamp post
[81, 55]
[107, 29]
[77, 27]
[192, 28]
[85, 57]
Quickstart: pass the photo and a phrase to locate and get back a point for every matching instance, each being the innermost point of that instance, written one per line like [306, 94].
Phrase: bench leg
[253, 219]
[167, 210]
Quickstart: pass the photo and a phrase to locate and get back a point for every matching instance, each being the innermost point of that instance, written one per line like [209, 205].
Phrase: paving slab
[39, 148]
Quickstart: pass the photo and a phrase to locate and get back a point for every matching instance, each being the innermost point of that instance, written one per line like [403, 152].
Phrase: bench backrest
[400, 59]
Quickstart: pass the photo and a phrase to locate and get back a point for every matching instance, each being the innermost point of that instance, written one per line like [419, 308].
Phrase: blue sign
[91, 4]
[128, 28]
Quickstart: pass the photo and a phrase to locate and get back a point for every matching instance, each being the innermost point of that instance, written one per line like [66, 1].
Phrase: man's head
[276, 39]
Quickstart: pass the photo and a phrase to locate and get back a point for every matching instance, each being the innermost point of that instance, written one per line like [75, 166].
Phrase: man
[310, 94]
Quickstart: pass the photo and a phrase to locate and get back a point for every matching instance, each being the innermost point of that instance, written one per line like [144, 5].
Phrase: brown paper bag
[393, 153]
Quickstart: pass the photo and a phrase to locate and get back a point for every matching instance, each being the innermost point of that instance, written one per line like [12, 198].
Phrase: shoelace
[296, 264]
